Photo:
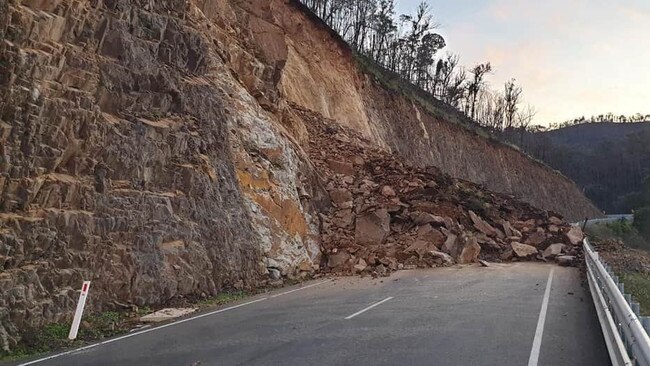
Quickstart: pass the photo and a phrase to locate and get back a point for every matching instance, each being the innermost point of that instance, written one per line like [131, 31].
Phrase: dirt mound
[621, 257]
[387, 215]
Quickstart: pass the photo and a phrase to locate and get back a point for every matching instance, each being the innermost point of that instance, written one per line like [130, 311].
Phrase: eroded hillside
[151, 148]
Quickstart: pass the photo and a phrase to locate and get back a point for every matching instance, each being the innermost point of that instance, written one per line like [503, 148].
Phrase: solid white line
[368, 308]
[300, 289]
[539, 332]
[141, 332]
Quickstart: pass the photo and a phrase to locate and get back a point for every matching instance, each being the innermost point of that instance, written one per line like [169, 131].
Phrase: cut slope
[317, 71]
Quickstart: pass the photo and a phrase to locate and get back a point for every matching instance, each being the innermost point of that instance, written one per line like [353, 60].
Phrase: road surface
[501, 315]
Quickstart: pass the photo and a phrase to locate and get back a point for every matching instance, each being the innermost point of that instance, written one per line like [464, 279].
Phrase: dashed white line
[539, 332]
[142, 332]
[299, 289]
[368, 308]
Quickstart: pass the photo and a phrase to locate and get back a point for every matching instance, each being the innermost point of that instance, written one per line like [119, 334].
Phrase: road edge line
[140, 332]
[539, 331]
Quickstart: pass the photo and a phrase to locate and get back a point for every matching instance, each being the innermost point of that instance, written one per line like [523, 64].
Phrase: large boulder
[553, 250]
[482, 226]
[575, 235]
[372, 228]
[523, 250]
[466, 249]
[429, 234]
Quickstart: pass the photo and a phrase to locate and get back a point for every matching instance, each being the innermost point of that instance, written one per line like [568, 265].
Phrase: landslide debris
[387, 215]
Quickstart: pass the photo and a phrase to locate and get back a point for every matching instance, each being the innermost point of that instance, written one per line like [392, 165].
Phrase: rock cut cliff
[152, 148]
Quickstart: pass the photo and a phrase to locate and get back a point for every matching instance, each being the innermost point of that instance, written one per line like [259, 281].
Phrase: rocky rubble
[388, 216]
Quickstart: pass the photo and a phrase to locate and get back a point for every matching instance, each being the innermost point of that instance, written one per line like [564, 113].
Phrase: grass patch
[619, 230]
[54, 336]
[223, 298]
[638, 285]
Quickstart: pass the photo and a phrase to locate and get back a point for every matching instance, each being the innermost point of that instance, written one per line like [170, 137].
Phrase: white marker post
[80, 310]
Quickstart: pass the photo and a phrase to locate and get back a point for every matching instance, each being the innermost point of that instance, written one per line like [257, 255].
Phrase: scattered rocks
[387, 215]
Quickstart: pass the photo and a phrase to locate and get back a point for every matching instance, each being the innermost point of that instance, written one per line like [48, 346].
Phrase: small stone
[484, 263]
[566, 260]
[361, 266]
[387, 191]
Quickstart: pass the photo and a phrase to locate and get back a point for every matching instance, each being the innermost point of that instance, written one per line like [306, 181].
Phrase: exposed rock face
[131, 156]
[155, 148]
[341, 92]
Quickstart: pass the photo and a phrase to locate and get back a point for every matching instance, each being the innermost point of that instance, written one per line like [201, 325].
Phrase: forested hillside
[608, 160]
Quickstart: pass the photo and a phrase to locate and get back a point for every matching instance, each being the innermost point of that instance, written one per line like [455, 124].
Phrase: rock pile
[387, 216]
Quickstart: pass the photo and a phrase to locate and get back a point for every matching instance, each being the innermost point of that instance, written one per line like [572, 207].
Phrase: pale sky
[572, 57]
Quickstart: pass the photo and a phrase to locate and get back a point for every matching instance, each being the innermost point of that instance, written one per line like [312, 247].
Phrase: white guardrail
[626, 334]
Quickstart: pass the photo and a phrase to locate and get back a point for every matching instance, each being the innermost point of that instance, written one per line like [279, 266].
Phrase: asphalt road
[454, 316]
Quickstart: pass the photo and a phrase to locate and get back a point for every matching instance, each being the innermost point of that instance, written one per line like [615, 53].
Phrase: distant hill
[607, 160]
[590, 135]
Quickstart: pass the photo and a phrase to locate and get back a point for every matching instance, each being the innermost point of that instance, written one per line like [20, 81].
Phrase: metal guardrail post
[619, 321]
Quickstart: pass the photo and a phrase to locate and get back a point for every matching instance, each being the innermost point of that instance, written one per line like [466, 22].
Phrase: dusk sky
[572, 57]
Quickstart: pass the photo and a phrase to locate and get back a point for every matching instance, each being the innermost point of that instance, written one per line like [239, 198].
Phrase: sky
[572, 57]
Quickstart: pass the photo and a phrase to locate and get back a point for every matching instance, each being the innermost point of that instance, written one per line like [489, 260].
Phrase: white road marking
[142, 332]
[299, 289]
[539, 332]
[368, 308]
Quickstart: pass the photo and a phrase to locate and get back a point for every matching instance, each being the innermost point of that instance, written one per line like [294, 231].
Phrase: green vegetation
[642, 222]
[224, 298]
[55, 336]
[638, 285]
[622, 230]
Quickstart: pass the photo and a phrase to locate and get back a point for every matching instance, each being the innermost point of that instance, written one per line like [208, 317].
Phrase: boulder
[337, 260]
[536, 238]
[429, 234]
[449, 246]
[372, 228]
[553, 250]
[507, 228]
[467, 249]
[575, 235]
[360, 266]
[446, 258]
[482, 226]
[420, 247]
[523, 250]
